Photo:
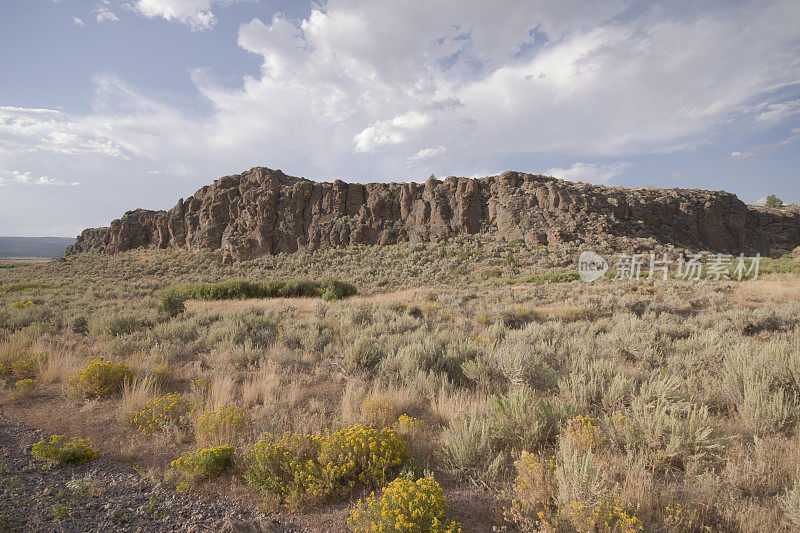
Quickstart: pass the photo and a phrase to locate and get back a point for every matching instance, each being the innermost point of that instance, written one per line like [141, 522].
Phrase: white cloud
[395, 75]
[764, 149]
[779, 112]
[48, 130]
[356, 87]
[77, 21]
[589, 172]
[761, 201]
[103, 12]
[16, 177]
[425, 154]
[389, 132]
[197, 14]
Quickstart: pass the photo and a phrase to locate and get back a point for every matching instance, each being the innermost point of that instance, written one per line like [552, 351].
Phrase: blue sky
[110, 105]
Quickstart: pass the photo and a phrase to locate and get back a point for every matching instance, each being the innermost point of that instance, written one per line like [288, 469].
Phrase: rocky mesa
[264, 211]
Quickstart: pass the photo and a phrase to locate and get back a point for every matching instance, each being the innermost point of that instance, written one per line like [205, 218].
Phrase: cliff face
[263, 211]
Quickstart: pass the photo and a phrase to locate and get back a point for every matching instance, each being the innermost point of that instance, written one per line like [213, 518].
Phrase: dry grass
[221, 392]
[614, 350]
[305, 307]
[779, 288]
[262, 387]
[135, 395]
[58, 367]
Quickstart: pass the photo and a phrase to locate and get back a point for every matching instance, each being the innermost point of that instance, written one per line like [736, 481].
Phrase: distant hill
[33, 246]
[264, 211]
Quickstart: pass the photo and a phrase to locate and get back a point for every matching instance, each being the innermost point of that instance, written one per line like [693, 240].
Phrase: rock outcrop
[264, 211]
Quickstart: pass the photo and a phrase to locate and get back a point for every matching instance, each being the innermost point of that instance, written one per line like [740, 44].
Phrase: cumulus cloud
[77, 21]
[589, 172]
[16, 177]
[425, 154]
[197, 14]
[391, 75]
[103, 12]
[374, 88]
[389, 132]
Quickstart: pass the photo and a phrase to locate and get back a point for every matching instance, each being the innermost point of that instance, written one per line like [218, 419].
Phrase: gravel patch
[103, 495]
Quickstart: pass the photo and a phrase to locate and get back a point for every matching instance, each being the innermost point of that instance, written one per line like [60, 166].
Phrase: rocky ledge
[264, 211]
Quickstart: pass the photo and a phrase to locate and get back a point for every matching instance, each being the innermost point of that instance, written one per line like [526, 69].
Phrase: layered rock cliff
[264, 211]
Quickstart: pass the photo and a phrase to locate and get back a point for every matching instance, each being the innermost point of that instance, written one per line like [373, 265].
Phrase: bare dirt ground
[102, 495]
[775, 288]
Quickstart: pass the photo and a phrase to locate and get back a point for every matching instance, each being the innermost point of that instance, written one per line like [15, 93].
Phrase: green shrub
[468, 450]
[671, 438]
[764, 411]
[115, 325]
[100, 378]
[546, 277]
[364, 353]
[205, 463]
[26, 286]
[332, 290]
[328, 289]
[405, 506]
[172, 303]
[521, 422]
[60, 450]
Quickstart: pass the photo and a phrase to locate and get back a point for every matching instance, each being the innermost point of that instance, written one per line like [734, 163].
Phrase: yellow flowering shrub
[160, 375]
[585, 434]
[26, 366]
[24, 387]
[378, 411]
[405, 506]
[296, 468]
[61, 450]
[202, 464]
[408, 426]
[22, 303]
[535, 487]
[286, 469]
[100, 378]
[608, 516]
[534, 507]
[687, 519]
[222, 426]
[361, 454]
[536, 477]
[159, 412]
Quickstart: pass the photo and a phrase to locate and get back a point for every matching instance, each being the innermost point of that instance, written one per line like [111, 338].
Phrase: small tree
[774, 202]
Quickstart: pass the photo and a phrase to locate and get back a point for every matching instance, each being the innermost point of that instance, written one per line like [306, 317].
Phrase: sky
[112, 105]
